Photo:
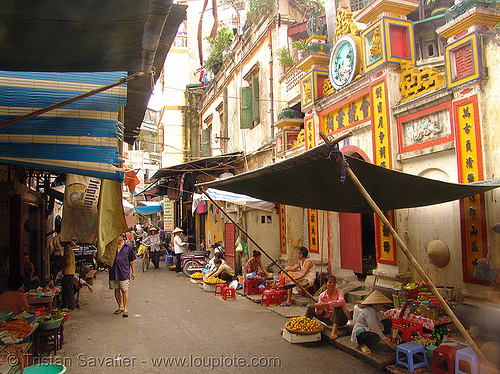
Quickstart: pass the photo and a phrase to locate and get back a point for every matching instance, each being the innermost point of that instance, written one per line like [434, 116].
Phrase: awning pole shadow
[408, 254]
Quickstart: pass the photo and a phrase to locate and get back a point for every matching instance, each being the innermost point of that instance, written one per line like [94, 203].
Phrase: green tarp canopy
[313, 180]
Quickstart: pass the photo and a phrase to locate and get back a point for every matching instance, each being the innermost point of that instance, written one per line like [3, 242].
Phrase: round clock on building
[344, 61]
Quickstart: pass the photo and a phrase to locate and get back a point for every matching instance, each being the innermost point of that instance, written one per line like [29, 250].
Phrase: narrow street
[173, 319]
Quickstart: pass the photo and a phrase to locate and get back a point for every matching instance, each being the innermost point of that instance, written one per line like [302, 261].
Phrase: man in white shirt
[178, 249]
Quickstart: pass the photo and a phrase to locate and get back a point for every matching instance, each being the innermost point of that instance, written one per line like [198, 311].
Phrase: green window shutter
[205, 142]
[246, 121]
[255, 101]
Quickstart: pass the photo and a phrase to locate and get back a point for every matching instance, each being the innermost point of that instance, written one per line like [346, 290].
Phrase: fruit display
[197, 275]
[214, 280]
[303, 325]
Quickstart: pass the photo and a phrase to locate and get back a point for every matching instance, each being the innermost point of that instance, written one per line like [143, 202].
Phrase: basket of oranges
[303, 326]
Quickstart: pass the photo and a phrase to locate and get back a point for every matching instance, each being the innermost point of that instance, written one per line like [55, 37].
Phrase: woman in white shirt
[178, 249]
[372, 326]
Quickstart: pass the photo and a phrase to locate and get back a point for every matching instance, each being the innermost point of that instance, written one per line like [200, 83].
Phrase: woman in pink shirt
[330, 307]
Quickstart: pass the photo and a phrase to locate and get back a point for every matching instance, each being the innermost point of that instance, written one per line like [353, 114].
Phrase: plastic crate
[407, 328]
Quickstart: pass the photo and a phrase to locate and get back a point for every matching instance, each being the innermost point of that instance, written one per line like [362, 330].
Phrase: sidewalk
[380, 358]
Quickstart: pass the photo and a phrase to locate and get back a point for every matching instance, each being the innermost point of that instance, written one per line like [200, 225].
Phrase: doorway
[357, 240]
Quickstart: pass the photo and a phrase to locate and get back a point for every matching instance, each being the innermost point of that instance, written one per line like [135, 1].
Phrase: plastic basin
[48, 324]
[45, 369]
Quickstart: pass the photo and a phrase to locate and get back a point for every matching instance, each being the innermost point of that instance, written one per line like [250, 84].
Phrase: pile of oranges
[304, 325]
[197, 275]
[214, 280]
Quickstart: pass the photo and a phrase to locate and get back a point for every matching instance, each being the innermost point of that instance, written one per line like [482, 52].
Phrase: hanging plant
[222, 42]
[257, 9]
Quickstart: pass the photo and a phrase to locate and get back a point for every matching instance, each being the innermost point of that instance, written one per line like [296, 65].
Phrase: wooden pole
[70, 100]
[412, 259]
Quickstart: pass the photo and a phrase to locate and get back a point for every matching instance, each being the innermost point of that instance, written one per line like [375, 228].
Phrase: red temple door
[229, 234]
[351, 248]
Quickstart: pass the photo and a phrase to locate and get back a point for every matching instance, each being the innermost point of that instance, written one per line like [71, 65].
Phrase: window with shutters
[249, 100]
[206, 137]
[463, 61]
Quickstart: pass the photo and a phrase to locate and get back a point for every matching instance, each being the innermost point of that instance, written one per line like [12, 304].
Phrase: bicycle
[145, 260]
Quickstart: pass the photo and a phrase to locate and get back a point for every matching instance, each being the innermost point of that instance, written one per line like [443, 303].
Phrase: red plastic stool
[281, 296]
[269, 298]
[228, 293]
[251, 287]
[219, 288]
[443, 359]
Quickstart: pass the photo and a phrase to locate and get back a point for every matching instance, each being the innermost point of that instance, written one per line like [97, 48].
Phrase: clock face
[343, 62]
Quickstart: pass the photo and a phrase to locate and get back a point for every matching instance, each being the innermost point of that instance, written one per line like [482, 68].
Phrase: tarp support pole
[258, 246]
[410, 257]
[70, 100]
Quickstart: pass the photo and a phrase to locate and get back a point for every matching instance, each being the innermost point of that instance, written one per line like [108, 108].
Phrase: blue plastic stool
[411, 356]
[466, 361]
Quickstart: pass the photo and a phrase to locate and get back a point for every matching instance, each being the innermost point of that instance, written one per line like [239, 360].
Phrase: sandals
[364, 348]
[125, 314]
[118, 311]
[284, 303]
[335, 336]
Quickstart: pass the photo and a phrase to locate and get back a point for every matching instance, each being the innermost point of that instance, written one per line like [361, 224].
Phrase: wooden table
[45, 301]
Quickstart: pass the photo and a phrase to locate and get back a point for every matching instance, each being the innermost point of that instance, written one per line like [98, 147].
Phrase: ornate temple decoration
[345, 61]
[375, 48]
[463, 6]
[425, 128]
[327, 87]
[415, 81]
[307, 94]
[344, 24]
[300, 138]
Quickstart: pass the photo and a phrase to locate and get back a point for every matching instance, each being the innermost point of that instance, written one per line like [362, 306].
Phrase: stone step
[351, 286]
[380, 358]
[356, 295]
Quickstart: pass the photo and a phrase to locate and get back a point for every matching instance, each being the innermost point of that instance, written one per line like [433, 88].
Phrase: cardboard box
[295, 338]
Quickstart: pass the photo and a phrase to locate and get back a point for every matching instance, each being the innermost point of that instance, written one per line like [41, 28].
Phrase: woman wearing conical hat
[372, 326]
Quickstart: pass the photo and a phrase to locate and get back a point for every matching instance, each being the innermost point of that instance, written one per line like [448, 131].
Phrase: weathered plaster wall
[489, 99]
[418, 226]
[266, 234]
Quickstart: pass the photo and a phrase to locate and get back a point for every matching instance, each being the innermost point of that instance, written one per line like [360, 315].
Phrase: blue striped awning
[79, 138]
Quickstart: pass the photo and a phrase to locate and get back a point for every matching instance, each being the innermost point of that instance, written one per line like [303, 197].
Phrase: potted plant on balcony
[285, 58]
[300, 45]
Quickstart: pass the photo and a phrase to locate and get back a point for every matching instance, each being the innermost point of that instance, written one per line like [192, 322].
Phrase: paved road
[171, 318]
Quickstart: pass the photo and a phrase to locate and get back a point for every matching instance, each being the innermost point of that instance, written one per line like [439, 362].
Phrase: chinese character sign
[350, 114]
[310, 136]
[312, 218]
[386, 247]
[282, 217]
[473, 219]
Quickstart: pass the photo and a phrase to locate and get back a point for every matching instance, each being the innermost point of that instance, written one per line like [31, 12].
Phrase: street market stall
[301, 181]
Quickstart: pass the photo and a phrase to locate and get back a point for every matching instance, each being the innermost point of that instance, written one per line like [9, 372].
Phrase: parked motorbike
[194, 261]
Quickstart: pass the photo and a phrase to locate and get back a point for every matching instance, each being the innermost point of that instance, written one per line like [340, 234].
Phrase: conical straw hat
[376, 297]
